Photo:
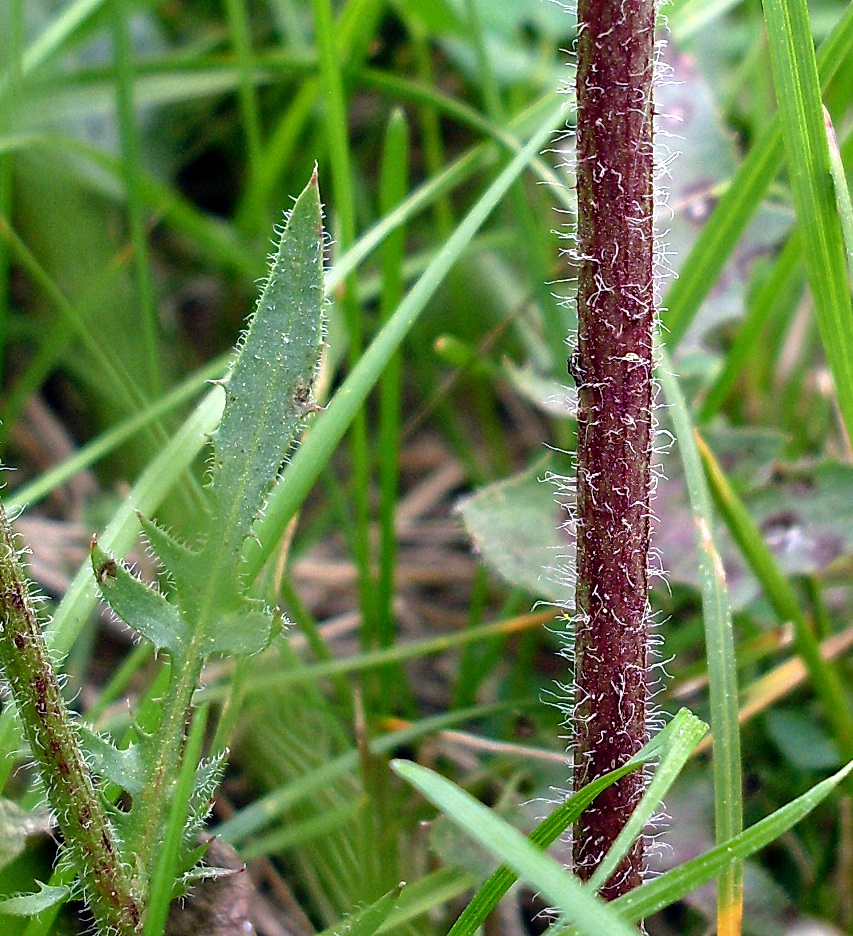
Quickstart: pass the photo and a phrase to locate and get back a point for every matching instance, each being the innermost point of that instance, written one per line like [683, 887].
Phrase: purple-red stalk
[612, 366]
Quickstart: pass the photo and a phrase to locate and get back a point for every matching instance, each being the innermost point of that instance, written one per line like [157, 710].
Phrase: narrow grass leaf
[393, 184]
[61, 29]
[720, 652]
[781, 595]
[684, 731]
[170, 851]
[737, 205]
[91, 453]
[783, 285]
[267, 809]
[688, 17]
[842, 192]
[681, 742]
[591, 916]
[131, 161]
[675, 884]
[798, 94]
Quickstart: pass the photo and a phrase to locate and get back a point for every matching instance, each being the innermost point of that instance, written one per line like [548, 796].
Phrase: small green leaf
[123, 767]
[247, 630]
[368, 921]
[139, 605]
[208, 776]
[174, 557]
[517, 526]
[31, 904]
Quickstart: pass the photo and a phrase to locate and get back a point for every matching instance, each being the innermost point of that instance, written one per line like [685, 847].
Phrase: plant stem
[613, 369]
[52, 737]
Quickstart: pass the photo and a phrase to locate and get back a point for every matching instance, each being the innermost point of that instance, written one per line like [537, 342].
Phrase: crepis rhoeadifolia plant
[112, 803]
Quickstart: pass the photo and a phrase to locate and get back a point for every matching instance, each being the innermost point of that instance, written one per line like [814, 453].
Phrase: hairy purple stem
[613, 369]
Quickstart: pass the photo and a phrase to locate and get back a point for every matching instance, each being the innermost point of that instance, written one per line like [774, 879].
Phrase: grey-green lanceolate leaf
[268, 391]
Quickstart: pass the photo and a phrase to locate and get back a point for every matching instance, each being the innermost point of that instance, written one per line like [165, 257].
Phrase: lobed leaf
[139, 605]
[122, 766]
[31, 904]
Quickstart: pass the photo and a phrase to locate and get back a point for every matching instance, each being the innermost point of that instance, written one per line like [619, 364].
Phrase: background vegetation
[146, 150]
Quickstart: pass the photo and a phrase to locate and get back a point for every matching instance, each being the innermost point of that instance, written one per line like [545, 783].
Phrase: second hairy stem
[613, 369]
[81, 812]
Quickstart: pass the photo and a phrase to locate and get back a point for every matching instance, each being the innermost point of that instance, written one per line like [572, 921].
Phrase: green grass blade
[393, 183]
[842, 192]
[241, 39]
[91, 453]
[783, 284]
[681, 745]
[266, 809]
[113, 369]
[170, 852]
[683, 726]
[590, 915]
[737, 205]
[344, 229]
[131, 164]
[264, 680]
[314, 453]
[73, 18]
[798, 94]
[455, 173]
[675, 884]
[720, 652]
[688, 17]
[781, 595]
